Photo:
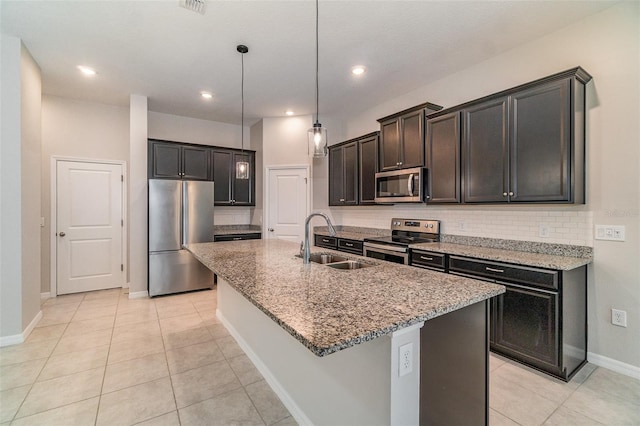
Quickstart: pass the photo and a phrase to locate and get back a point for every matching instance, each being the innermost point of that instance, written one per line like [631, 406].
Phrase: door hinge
[122, 267]
[121, 178]
[121, 222]
[305, 181]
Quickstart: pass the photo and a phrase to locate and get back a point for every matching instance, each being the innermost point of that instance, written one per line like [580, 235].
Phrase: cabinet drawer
[427, 259]
[542, 278]
[237, 237]
[351, 246]
[326, 242]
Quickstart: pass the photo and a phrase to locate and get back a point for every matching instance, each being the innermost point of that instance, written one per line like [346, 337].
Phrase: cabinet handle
[510, 194]
[237, 238]
[504, 194]
[400, 163]
[342, 200]
[324, 240]
[426, 258]
[348, 244]
[428, 197]
[494, 270]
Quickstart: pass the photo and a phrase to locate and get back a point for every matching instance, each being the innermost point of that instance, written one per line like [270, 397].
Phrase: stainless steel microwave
[401, 186]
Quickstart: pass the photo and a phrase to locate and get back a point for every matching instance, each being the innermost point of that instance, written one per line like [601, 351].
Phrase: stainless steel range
[395, 248]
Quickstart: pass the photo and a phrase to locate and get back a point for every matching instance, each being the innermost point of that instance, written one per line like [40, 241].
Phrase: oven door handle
[385, 248]
[410, 185]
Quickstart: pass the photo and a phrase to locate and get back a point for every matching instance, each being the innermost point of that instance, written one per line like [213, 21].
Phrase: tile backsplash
[232, 215]
[563, 224]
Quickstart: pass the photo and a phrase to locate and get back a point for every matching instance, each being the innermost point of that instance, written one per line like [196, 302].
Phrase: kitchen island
[329, 341]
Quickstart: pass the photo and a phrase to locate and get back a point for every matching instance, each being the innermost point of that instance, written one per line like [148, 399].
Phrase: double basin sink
[337, 262]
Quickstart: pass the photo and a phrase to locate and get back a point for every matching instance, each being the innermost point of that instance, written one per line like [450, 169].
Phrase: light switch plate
[610, 232]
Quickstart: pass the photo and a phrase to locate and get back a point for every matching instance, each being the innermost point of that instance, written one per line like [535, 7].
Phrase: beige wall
[607, 45]
[30, 186]
[194, 130]
[20, 191]
[78, 129]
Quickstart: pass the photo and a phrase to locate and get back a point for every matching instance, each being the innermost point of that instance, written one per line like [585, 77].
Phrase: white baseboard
[295, 411]
[138, 294]
[614, 365]
[45, 296]
[20, 338]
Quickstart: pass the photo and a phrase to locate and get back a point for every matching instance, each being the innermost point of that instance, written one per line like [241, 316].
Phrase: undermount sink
[326, 258]
[349, 264]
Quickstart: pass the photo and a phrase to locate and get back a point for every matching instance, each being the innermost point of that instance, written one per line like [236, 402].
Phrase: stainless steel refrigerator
[180, 212]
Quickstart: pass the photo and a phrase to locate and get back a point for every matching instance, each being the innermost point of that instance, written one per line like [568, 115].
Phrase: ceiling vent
[194, 5]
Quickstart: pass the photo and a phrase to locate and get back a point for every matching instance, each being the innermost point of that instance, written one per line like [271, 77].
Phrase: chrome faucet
[307, 248]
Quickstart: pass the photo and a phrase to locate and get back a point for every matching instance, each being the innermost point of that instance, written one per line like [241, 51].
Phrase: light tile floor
[101, 359]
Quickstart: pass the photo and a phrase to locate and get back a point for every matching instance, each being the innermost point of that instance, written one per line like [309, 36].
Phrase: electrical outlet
[405, 360]
[544, 231]
[619, 317]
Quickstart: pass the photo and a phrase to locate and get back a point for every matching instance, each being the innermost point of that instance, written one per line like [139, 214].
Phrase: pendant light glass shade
[242, 170]
[242, 167]
[317, 141]
[317, 134]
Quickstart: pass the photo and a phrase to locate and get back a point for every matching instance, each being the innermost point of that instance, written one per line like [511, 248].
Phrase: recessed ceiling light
[206, 95]
[358, 70]
[87, 70]
[288, 112]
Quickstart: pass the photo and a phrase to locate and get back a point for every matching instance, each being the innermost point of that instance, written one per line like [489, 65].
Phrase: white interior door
[89, 226]
[287, 203]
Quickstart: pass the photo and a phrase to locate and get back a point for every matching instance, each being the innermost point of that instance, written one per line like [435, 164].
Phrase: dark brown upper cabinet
[169, 160]
[442, 154]
[401, 143]
[521, 145]
[230, 191]
[368, 152]
[343, 174]
[486, 151]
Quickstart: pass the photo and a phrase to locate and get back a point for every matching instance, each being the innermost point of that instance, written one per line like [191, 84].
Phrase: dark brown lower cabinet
[454, 368]
[541, 320]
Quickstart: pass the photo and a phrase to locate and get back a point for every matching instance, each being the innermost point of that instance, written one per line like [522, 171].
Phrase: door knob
[270, 229]
[62, 234]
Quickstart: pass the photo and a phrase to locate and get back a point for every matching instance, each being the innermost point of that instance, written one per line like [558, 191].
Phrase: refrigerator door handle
[185, 214]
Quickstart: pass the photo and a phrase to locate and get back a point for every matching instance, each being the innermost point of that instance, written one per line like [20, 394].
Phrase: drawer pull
[494, 270]
[348, 244]
[426, 258]
[324, 240]
[237, 238]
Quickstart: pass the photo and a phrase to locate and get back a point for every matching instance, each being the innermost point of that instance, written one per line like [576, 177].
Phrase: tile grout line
[166, 360]
[104, 373]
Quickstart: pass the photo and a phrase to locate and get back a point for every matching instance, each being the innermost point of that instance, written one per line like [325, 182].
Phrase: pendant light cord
[242, 108]
[317, 60]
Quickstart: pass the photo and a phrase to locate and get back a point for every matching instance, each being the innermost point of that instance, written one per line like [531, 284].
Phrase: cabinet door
[526, 326]
[336, 161]
[242, 194]
[485, 152]
[412, 140]
[389, 145]
[443, 159]
[164, 160]
[350, 158]
[195, 163]
[540, 140]
[368, 150]
[222, 177]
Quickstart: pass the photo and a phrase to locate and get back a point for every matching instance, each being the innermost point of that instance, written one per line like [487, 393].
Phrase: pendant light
[317, 134]
[242, 167]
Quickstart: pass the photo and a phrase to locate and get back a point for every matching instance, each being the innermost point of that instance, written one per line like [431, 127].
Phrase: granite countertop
[235, 229]
[328, 310]
[540, 260]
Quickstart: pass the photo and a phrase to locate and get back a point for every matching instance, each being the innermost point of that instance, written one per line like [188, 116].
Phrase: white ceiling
[170, 54]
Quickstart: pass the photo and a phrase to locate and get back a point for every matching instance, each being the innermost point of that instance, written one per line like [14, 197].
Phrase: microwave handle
[410, 185]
